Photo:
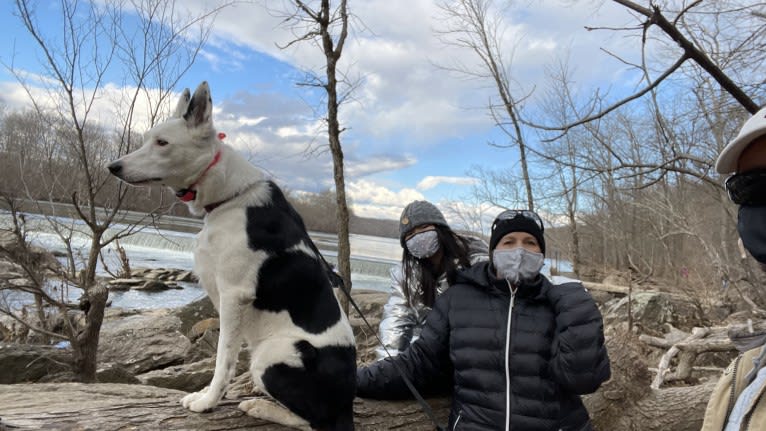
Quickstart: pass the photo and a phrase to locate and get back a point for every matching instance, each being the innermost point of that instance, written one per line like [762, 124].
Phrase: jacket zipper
[459, 415]
[732, 392]
[508, 360]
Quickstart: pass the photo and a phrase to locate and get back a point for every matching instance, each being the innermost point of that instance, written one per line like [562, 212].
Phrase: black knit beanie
[418, 213]
[520, 223]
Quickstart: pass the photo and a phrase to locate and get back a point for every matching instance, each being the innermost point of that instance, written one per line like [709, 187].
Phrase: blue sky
[414, 130]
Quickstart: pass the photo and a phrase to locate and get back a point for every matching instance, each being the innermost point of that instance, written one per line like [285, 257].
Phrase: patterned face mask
[517, 264]
[424, 244]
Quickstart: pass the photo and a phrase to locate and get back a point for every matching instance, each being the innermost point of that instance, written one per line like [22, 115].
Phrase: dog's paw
[247, 405]
[199, 401]
[270, 411]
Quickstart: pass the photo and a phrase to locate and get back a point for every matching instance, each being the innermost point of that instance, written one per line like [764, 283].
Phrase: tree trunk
[332, 55]
[85, 344]
[677, 409]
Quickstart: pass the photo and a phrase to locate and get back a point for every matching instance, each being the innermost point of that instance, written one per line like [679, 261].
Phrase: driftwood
[685, 361]
[688, 346]
[77, 406]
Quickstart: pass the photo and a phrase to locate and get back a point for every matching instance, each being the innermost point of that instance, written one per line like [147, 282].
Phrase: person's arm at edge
[397, 320]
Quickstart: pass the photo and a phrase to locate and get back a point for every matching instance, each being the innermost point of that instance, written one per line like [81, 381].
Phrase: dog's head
[175, 152]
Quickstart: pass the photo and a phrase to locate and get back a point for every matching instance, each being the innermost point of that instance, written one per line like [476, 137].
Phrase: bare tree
[151, 45]
[326, 26]
[476, 25]
[709, 41]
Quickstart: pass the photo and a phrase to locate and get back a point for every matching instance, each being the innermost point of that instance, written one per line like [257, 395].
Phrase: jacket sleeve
[425, 363]
[579, 360]
[398, 319]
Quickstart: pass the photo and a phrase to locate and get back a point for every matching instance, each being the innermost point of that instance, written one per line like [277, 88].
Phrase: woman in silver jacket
[431, 255]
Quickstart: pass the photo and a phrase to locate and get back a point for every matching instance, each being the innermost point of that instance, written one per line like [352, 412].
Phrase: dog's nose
[115, 168]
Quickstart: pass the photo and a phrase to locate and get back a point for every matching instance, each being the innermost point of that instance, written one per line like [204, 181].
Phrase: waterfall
[370, 256]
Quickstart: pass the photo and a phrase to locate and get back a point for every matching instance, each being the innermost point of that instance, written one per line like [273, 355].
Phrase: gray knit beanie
[418, 213]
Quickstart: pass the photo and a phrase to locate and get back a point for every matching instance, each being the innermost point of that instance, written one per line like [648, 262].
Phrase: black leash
[337, 281]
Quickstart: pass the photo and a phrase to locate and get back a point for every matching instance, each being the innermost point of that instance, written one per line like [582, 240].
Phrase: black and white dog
[261, 270]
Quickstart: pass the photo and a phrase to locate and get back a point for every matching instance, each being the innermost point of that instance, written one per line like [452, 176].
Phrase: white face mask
[517, 264]
[424, 244]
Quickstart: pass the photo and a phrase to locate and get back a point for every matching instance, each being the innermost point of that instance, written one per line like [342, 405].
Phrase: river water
[371, 259]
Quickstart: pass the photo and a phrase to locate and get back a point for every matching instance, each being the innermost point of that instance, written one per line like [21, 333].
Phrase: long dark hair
[454, 254]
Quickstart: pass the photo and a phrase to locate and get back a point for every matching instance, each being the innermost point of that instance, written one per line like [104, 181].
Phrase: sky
[413, 129]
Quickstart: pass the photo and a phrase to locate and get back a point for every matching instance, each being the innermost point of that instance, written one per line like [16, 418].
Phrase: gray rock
[30, 363]
[144, 342]
[186, 276]
[203, 347]
[157, 286]
[193, 312]
[188, 377]
[114, 373]
[652, 310]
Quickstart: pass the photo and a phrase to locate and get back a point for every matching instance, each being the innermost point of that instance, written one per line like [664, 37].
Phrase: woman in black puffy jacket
[516, 349]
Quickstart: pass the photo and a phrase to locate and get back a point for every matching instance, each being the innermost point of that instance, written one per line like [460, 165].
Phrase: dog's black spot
[276, 226]
[296, 282]
[292, 281]
[322, 392]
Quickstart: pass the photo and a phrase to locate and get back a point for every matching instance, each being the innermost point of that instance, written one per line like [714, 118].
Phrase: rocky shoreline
[148, 360]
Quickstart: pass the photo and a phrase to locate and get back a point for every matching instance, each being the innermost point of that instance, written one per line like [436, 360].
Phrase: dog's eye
[161, 142]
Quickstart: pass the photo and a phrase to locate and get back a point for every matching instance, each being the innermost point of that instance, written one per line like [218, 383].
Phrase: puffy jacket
[518, 360]
[402, 321]
[727, 391]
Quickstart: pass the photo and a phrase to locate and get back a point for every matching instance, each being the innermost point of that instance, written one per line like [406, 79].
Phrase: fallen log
[611, 288]
[106, 406]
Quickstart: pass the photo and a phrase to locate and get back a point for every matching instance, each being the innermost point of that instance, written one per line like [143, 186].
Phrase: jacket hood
[478, 275]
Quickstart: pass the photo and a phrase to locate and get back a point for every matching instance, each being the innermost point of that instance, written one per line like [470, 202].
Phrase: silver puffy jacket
[401, 323]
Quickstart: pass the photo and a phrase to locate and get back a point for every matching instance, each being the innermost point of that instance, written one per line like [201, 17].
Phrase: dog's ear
[200, 108]
[183, 104]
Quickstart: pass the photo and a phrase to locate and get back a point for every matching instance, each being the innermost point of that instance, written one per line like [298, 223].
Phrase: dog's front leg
[231, 312]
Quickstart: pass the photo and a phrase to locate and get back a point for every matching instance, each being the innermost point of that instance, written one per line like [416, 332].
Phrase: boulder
[187, 377]
[195, 311]
[143, 342]
[203, 326]
[114, 373]
[652, 310]
[119, 284]
[204, 346]
[31, 363]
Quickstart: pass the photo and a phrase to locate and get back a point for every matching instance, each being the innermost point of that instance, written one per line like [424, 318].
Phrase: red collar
[189, 194]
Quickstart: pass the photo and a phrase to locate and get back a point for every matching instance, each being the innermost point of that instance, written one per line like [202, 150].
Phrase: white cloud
[365, 191]
[430, 182]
